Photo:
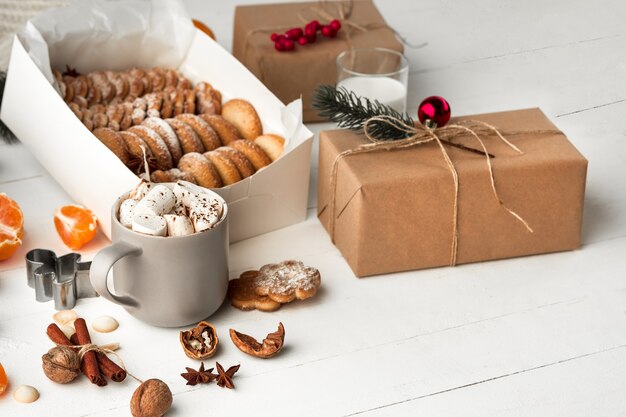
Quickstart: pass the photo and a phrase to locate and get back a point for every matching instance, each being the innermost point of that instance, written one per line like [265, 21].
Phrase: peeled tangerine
[76, 225]
[11, 227]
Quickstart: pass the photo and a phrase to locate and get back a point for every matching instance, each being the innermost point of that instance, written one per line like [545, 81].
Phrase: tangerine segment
[199, 25]
[11, 226]
[4, 381]
[76, 225]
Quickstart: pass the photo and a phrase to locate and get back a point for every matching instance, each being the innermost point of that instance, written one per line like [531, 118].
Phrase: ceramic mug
[165, 281]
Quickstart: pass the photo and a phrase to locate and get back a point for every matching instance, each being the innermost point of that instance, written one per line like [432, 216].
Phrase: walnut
[61, 364]
[272, 344]
[199, 342]
[152, 399]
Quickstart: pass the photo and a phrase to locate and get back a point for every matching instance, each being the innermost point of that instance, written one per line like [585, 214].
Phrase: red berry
[310, 31]
[326, 31]
[315, 24]
[311, 38]
[279, 46]
[294, 33]
[335, 24]
[274, 37]
[333, 33]
[302, 40]
[289, 45]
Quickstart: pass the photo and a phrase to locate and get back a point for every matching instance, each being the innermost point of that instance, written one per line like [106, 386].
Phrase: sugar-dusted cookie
[224, 129]
[245, 118]
[273, 145]
[253, 152]
[169, 136]
[112, 140]
[225, 167]
[205, 132]
[285, 281]
[156, 144]
[201, 168]
[189, 140]
[242, 163]
[243, 295]
[171, 175]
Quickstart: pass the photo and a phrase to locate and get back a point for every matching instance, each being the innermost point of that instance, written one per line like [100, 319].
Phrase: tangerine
[4, 381]
[76, 225]
[199, 25]
[11, 227]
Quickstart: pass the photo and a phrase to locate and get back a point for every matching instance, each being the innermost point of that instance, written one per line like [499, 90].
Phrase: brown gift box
[290, 75]
[394, 209]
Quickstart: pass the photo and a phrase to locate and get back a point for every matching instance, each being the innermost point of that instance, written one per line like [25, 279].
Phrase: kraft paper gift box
[393, 209]
[294, 74]
[98, 35]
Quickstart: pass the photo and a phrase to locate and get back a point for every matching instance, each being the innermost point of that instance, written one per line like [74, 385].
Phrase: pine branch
[5, 134]
[350, 111]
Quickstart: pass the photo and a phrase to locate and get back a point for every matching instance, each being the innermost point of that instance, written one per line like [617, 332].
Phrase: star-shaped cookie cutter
[63, 279]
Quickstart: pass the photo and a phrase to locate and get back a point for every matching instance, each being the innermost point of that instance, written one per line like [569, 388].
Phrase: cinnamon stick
[108, 368]
[57, 336]
[90, 362]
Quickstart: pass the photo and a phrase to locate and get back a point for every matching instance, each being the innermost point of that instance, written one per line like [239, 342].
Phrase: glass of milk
[376, 73]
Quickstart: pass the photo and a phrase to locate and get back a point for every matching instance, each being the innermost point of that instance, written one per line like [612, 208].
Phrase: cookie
[156, 144]
[242, 163]
[189, 140]
[273, 145]
[202, 170]
[119, 83]
[114, 142]
[225, 167]
[99, 120]
[169, 136]
[208, 100]
[286, 281]
[243, 295]
[157, 78]
[253, 152]
[205, 132]
[224, 129]
[244, 117]
[171, 175]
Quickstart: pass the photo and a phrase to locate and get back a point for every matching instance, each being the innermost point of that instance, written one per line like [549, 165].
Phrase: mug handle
[102, 264]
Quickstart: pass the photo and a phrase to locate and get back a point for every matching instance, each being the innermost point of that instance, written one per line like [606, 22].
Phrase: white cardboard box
[272, 198]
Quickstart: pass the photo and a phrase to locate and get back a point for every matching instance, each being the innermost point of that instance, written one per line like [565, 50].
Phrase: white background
[535, 336]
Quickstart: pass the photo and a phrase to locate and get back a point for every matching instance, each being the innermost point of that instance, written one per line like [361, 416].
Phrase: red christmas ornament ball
[434, 109]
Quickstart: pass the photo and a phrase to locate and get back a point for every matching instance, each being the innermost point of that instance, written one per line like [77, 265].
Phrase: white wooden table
[535, 336]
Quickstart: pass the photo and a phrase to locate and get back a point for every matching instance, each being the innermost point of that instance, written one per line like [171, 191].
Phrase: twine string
[419, 135]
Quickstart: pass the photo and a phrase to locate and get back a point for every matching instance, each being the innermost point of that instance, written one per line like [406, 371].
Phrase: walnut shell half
[200, 342]
[272, 344]
[151, 399]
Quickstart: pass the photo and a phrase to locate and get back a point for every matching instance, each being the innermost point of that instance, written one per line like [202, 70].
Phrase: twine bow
[419, 135]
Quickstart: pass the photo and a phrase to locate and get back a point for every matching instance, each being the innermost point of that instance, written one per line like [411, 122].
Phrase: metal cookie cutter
[64, 279]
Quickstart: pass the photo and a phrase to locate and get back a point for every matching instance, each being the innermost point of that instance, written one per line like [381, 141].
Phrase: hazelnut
[61, 364]
[152, 399]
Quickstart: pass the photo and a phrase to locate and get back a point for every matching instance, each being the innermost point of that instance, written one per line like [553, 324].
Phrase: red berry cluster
[287, 42]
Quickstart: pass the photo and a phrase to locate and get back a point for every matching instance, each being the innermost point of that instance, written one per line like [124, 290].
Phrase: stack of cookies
[183, 132]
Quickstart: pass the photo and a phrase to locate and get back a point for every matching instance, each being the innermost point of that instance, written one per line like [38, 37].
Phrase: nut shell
[194, 340]
[61, 364]
[151, 399]
[272, 344]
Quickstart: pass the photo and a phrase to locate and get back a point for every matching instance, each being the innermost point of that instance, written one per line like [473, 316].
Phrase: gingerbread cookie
[205, 132]
[253, 152]
[114, 142]
[156, 144]
[285, 281]
[171, 175]
[242, 163]
[273, 145]
[244, 117]
[169, 136]
[189, 140]
[225, 167]
[202, 170]
[243, 295]
[224, 129]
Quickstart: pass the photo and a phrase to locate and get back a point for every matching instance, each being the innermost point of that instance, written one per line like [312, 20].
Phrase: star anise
[71, 71]
[201, 376]
[137, 165]
[225, 378]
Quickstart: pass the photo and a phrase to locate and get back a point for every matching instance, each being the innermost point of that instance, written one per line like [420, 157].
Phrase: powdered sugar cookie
[225, 167]
[171, 175]
[114, 142]
[242, 163]
[201, 168]
[205, 132]
[253, 152]
[167, 133]
[156, 144]
[189, 140]
[224, 129]
[285, 281]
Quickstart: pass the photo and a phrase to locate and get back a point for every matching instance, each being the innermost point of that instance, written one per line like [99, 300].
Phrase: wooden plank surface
[535, 336]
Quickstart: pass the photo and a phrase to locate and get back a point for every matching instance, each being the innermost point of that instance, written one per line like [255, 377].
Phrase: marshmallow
[204, 215]
[127, 211]
[160, 200]
[178, 225]
[141, 190]
[150, 225]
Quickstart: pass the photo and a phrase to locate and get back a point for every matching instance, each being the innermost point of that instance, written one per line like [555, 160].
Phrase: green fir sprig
[351, 111]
